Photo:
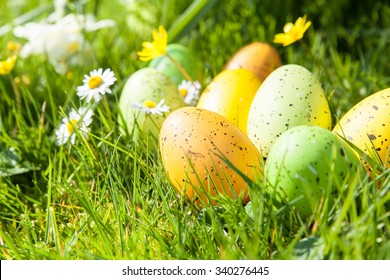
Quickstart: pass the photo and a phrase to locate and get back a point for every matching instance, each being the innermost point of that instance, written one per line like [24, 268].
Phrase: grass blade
[187, 20]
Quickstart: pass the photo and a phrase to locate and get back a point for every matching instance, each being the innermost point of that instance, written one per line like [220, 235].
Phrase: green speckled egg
[195, 146]
[290, 96]
[183, 57]
[147, 84]
[310, 162]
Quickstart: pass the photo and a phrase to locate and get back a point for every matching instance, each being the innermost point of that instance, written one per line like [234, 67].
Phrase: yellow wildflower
[156, 48]
[7, 65]
[292, 32]
[13, 47]
[23, 80]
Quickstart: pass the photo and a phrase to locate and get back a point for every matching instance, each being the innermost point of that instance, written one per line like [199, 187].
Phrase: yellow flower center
[13, 46]
[183, 91]
[69, 75]
[73, 47]
[95, 81]
[23, 79]
[149, 104]
[71, 124]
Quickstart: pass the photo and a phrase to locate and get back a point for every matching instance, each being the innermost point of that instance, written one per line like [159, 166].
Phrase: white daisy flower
[80, 120]
[150, 107]
[96, 84]
[190, 91]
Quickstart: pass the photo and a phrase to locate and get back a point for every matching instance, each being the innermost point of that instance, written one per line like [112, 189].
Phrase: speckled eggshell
[147, 84]
[259, 57]
[367, 125]
[195, 146]
[230, 94]
[310, 162]
[290, 96]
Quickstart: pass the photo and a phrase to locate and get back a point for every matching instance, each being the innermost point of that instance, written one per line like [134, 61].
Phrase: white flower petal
[193, 91]
[108, 79]
[82, 117]
[159, 109]
[62, 134]
[63, 40]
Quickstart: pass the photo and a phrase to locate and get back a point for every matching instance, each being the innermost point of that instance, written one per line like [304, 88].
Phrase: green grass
[107, 198]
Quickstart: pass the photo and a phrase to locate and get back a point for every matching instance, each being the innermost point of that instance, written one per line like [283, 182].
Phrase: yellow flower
[7, 65]
[13, 47]
[292, 32]
[156, 48]
[23, 79]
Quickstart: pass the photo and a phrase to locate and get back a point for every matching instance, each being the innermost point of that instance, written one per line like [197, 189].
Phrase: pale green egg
[290, 96]
[307, 164]
[144, 89]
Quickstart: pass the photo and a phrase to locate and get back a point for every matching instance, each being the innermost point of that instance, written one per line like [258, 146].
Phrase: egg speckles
[195, 146]
[290, 96]
[367, 125]
[309, 162]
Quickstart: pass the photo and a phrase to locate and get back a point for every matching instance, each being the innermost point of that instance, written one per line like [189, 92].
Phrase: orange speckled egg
[196, 146]
[230, 94]
[367, 125]
[259, 57]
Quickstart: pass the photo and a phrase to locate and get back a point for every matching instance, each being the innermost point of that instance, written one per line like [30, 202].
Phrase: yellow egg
[196, 146]
[367, 125]
[230, 94]
[259, 57]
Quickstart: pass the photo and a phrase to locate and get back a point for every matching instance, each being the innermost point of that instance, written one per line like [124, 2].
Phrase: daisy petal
[96, 84]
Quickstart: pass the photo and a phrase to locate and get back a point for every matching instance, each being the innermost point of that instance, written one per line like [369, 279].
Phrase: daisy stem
[42, 122]
[144, 122]
[308, 50]
[182, 70]
[18, 98]
[106, 106]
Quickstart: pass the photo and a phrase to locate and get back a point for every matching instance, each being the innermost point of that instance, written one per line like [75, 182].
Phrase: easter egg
[230, 94]
[146, 99]
[181, 56]
[198, 148]
[367, 125]
[307, 163]
[259, 57]
[290, 96]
